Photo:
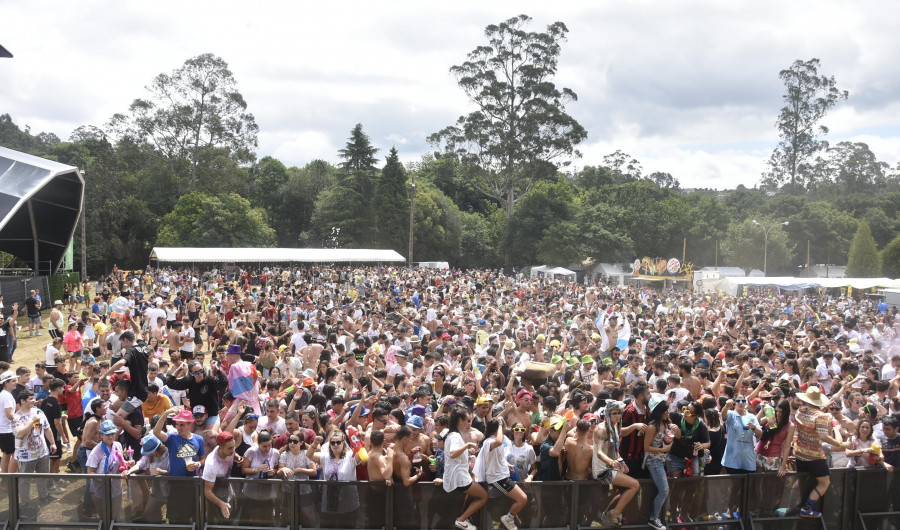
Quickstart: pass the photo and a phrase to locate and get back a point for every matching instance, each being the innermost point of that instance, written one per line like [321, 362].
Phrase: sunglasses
[687, 412]
[293, 441]
[740, 400]
[519, 429]
[196, 373]
[337, 442]
[834, 408]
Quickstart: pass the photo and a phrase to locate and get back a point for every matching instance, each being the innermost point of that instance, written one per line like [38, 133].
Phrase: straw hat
[814, 397]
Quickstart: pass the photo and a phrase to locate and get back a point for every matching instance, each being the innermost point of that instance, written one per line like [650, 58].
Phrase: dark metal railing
[856, 499]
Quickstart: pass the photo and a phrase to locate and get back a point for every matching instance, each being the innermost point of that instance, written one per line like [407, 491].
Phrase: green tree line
[180, 168]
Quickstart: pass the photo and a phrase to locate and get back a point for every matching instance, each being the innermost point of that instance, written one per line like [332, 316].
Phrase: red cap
[224, 437]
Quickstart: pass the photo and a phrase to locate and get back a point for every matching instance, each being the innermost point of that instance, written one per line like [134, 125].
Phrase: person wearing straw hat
[812, 426]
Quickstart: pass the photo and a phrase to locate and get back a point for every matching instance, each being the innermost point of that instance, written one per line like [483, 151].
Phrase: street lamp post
[766, 243]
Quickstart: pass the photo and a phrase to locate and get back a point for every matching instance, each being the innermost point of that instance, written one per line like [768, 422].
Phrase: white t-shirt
[523, 459]
[6, 402]
[33, 446]
[188, 334]
[298, 341]
[278, 428]
[495, 466]
[456, 470]
[97, 459]
[50, 355]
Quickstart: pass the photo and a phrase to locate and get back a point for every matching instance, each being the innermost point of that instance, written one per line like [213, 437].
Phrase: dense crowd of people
[474, 381]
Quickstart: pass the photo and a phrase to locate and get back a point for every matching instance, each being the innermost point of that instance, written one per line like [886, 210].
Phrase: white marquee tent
[273, 255]
[732, 285]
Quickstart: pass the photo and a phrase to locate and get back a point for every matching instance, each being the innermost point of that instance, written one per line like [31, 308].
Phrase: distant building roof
[726, 272]
[825, 271]
[273, 255]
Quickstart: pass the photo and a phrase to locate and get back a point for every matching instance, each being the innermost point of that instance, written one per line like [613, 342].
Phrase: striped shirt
[810, 424]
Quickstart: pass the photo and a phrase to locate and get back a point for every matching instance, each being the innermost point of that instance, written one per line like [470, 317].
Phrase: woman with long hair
[860, 450]
[607, 466]
[294, 464]
[338, 465]
[457, 477]
[657, 443]
[768, 449]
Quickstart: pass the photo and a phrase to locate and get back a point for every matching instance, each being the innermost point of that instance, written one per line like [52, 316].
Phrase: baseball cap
[199, 410]
[108, 427]
[224, 437]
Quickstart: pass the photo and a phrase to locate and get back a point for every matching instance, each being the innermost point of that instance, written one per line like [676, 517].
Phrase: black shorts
[505, 486]
[59, 449]
[54, 333]
[463, 489]
[75, 354]
[737, 471]
[7, 443]
[74, 424]
[186, 355]
[816, 468]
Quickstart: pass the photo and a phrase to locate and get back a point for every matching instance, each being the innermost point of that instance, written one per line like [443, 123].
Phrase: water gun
[357, 444]
[287, 390]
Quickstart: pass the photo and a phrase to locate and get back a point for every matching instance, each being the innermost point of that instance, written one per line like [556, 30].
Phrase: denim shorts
[677, 464]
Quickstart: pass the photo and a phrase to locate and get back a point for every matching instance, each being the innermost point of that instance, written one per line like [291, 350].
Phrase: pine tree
[392, 205]
[358, 178]
[863, 261]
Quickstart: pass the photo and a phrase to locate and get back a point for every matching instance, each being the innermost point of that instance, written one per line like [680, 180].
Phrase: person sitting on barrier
[607, 466]
[497, 462]
[154, 461]
[107, 458]
[812, 427]
[457, 476]
[657, 443]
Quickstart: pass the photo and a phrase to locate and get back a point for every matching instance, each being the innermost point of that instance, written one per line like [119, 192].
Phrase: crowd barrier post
[13, 494]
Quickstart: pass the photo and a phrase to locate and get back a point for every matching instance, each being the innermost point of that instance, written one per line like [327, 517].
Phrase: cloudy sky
[690, 88]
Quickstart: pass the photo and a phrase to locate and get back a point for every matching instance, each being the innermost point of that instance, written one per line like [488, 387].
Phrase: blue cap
[108, 427]
[149, 444]
[416, 422]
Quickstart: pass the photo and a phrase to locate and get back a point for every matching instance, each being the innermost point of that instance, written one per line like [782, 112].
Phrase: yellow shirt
[162, 404]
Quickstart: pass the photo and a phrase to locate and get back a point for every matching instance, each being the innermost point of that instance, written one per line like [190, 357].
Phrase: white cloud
[690, 88]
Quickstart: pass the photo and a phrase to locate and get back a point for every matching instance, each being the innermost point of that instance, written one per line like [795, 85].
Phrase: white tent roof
[273, 255]
[730, 285]
[559, 271]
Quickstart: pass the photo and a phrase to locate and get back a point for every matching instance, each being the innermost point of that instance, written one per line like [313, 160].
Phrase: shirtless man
[403, 472]
[160, 332]
[382, 422]
[212, 318]
[176, 340]
[381, 460]
[688, 380]
[521, 412]
[311, 353]
[611, 329]
[579, 449]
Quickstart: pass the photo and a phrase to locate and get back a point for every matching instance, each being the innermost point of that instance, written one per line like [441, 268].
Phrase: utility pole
[412, 202]
[83, 237]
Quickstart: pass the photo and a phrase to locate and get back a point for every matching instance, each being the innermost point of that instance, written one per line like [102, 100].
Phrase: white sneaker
[509, 522]
[656, 524]
[465, 525]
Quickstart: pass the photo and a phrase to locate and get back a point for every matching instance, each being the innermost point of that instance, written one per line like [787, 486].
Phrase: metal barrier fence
[856, 499]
